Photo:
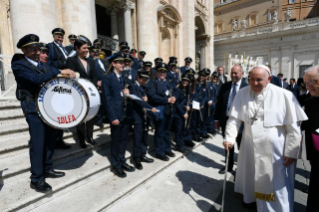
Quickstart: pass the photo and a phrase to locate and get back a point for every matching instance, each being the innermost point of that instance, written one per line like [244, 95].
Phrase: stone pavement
[193, 184]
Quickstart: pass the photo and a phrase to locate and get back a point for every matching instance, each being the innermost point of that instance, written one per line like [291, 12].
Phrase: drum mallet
[225, 178]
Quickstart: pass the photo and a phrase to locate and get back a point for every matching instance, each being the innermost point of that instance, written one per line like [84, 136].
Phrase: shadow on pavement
[203, 160]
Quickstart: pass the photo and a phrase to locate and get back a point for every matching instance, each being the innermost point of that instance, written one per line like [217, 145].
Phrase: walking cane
[225, 178]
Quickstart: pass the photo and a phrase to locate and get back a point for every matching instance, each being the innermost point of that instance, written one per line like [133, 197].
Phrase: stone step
[13, 126]
[16, 141]
[12, 113]
[13, 164]
[89, 175]
[9, 104]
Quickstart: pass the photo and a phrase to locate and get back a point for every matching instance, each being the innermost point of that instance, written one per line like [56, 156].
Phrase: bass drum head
[62, 103]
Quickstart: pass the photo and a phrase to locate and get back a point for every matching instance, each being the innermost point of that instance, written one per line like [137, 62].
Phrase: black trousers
[41, 144]
[85, 131]
[232, 150]
[313, 185]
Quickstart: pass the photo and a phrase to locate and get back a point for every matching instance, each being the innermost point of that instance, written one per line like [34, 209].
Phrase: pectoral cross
[253, 119]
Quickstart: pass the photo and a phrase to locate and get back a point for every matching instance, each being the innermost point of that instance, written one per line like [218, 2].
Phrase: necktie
[231, 97]
[121, 81]
[40, 66]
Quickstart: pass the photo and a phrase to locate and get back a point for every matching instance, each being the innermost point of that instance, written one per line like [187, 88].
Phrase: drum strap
[61, 59]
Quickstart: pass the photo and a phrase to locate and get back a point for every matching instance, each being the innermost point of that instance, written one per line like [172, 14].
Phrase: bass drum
[64, 103]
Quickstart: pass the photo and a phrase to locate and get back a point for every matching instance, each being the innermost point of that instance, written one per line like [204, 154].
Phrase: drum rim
[40, 114]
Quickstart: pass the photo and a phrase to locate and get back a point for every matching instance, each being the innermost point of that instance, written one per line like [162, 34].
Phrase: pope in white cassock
[270, 144]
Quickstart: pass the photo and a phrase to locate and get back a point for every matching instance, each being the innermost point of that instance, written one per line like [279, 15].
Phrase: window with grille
[302, 69]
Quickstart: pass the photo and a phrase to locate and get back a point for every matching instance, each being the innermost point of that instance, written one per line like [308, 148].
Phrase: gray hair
[316, 68]
[238, 64]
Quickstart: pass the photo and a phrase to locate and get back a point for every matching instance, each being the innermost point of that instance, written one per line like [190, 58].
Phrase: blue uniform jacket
[173, 77]
[181, 104]
[132, 72]
[157, 96]
[99, 71]
[53, 56]
[29, 79]
[136, 65]
[112, 97]
[211, 92]
[69, 48]
[137, 106]
[276, 81]
[200, 95]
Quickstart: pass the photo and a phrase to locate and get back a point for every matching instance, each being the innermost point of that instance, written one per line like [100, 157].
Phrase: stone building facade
[161, 28]
[282, 33]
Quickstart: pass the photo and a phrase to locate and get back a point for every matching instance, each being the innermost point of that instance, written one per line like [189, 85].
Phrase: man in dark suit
[224, 101]
[222, 76]
[139, 109]
[70, 47]
[188, 62]
[274, 80]
[294, 88]
[57, 59]
[113, 92]
[311, 127]
[283, 83]
[30, 73]
[84, 130]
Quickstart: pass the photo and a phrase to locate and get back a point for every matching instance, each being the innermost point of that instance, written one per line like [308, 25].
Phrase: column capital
[203, 44]
[112, 11]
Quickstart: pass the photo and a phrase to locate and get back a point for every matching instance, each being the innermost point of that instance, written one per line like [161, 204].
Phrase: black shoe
[222, 170]
[128, 168]
[181, 150]
[119, 172]
[251, 206]
[83, 145]
[138, 165]
[41, 186]
[54, 174]
[60, 144]
[91, 141]
[205, 136]
[164, 158]
[197, 139]
[213, 132]
[170, 154]
[146, 160]
[189, 143]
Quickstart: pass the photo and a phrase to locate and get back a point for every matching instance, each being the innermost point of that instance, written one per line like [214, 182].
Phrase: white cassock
[271, 131]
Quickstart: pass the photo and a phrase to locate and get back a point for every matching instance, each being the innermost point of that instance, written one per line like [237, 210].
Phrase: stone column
[114, 27]
[128, 25]
[79, 19]
[33, 16]
[203, 47]
[147, 28]
[211, 23]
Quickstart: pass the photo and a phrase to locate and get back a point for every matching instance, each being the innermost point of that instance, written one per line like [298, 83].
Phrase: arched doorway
[168, 21]
[202, 40]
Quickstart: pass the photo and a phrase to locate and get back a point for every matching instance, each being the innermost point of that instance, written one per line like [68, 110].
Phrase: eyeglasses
[311, 82]
[35, 50]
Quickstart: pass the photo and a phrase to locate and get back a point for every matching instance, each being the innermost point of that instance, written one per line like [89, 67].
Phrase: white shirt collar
[238, 83]
[32, 61]
[161, 80]
[57, 44]
[117, 75]
[137, 83]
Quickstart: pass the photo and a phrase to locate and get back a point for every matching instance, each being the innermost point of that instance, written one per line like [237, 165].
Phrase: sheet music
[133, 97]
[196, 105]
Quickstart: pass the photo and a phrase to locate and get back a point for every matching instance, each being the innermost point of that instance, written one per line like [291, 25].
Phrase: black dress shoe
[222, 170]
[146, 160]
[251, 206]
[54, 174]
[91, 141]
[213, 132]
[205, 136]
[119, 172]
[83, 145]
[164, 158]
[189, 143]
[170, 154]
[197, 138]
[181, 150]
[40, 186]
[138, 165]
[128, 168]
[60, 144]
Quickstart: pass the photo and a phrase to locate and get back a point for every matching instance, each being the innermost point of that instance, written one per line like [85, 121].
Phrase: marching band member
[188, 62]
[131, 73]
[70, 47]
[172, 74]
[86, 68]
[133, 52]
[141, 56]
[161, 95]
[157, 61]
[210, 105]
[147, 66]
[201, 88]
[29, 74]
[57, 58]
[140, 119]
[113, 92]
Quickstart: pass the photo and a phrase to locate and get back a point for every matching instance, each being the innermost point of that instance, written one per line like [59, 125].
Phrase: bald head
[259, 79]
[236, 73]
[311, 79]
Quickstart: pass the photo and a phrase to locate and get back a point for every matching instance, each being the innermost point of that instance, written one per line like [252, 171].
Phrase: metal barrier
[4, 91]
